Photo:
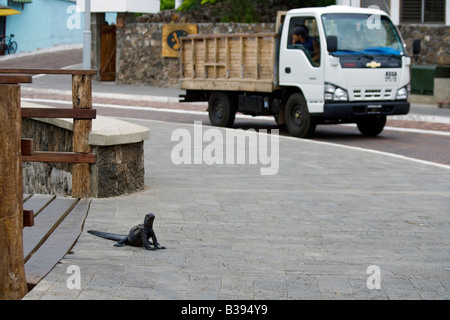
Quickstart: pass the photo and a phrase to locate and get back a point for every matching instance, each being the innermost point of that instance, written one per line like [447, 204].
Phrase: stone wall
[47, 178]
[435, 52]
[139, 51]
[119, 169]
[435, 42]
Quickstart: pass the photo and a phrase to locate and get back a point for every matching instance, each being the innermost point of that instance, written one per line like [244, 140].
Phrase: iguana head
[149, 218]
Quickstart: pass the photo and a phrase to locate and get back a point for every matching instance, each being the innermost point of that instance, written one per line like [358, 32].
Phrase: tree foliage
[247, 10]
[167, 4]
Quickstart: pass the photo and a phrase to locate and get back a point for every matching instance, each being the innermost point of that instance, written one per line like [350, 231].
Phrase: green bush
[167, 4]
[245, 10]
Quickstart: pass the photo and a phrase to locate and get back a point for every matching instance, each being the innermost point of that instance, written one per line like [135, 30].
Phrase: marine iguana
[137, 237]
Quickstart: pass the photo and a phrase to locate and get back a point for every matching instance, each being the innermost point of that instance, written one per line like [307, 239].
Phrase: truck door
[300, 60]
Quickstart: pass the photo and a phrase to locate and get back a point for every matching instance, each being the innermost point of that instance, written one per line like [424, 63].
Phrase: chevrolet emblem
[373, 65]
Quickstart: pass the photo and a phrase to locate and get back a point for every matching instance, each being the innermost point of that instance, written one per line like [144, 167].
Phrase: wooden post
[12, 272]
[82, 99]
[194, 75]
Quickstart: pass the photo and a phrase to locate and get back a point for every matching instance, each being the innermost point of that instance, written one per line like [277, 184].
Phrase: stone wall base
[119, 168]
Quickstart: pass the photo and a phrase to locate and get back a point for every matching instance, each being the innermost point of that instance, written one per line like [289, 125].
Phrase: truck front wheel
[298, 119]
[221, 109]
[371, 127]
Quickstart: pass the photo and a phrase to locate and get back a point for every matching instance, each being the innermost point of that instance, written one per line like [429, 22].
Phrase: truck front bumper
[357, 110]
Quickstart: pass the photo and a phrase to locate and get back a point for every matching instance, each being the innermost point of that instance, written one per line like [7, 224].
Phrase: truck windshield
[363, 34]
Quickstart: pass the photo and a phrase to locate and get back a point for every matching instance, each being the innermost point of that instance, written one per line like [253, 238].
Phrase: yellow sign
[171, 38]
[373, 65]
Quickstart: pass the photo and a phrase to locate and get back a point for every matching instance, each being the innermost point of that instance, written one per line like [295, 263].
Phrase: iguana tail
[105, 235]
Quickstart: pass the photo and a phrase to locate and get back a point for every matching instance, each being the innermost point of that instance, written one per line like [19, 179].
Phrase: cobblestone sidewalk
[312, 231]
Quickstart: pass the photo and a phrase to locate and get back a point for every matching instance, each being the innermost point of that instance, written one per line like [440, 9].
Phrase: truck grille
[372, 94]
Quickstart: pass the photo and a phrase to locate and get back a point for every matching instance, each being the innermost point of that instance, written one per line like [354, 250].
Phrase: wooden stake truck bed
[237, 62]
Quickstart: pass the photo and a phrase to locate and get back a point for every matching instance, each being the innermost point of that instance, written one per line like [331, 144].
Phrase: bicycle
[8, 45]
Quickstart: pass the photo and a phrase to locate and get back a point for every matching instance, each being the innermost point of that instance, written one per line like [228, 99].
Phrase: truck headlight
[402, 93]
[340, 95]
[329, 91]
[334, 93]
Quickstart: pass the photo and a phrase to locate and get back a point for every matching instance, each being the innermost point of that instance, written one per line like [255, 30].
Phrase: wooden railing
[14, 150]
[82, 113]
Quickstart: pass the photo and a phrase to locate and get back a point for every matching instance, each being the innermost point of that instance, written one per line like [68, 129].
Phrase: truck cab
[348, 65]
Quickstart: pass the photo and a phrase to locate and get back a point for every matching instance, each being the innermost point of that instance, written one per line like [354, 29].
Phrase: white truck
[326, 65]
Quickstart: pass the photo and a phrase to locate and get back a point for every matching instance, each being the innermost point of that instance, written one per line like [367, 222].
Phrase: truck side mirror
[332, 44]
[416, 48]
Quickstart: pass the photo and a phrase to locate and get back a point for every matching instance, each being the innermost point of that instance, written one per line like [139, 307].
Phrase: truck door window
[304, 35]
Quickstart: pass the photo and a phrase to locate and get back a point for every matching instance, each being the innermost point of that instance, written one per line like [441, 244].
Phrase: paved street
[334, 223]
[423, 134]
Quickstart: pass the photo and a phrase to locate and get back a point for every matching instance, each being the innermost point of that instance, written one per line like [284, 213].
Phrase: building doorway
[108, 53]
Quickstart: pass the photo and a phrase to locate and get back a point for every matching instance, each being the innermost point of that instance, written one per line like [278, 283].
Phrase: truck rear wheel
[221, 109]
[298, 119]
[371, 127]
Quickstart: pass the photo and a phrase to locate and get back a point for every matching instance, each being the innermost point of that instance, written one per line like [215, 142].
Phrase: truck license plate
[374, 109]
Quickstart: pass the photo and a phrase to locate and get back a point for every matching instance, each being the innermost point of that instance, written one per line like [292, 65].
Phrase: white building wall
[447, 12]
[352, 3]
[142, 6]
[395, 9]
